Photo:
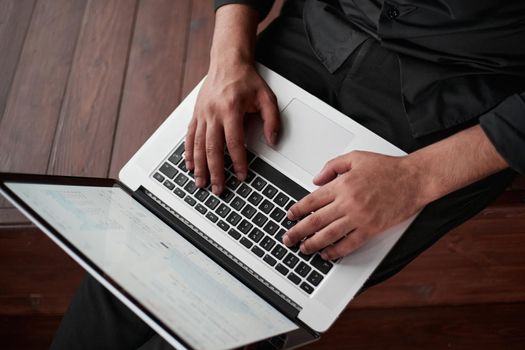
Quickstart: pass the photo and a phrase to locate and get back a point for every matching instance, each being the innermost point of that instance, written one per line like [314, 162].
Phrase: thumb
[270, 117]
[333, 168]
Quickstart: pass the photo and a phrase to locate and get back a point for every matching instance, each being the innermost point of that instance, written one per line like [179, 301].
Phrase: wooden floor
[83, 83]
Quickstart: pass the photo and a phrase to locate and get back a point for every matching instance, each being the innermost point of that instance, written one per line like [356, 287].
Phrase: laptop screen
[186, 290]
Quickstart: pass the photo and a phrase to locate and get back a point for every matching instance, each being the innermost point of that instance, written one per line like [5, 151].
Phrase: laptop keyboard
[252, 212]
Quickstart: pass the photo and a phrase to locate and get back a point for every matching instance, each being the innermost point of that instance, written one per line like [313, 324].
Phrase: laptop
[206, 271]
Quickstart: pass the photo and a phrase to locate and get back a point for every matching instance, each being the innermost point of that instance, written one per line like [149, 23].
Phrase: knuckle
[315, 220]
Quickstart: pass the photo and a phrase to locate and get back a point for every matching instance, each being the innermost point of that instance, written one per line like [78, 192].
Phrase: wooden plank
[27, 127]
[37, 276]
[199, 42]
[10, 216]
[481, 261]
[15, 16]
[89, 112]
[492, 326]
[28, 333]
[154, 77]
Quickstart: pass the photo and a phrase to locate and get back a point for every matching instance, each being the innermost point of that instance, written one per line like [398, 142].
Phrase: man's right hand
[232, 89]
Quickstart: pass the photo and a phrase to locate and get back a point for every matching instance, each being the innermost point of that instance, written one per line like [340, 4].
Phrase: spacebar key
[278, 179]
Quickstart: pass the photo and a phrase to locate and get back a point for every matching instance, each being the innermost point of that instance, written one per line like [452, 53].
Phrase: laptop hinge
[222, 257]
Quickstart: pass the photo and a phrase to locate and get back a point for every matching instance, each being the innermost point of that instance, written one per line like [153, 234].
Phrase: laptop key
[212, 202]
[267, 243]
[257, 251]
[266, 206]
[246, 242]
[237, 203]
[291, 260]
[269, 191]
[234, 233]
[190, 187]
[227, 161]
[289, 205]
[181, 179]
[269, 260]
[244, 226]
[179, 192]
[232, 183]
[277, 214]
[248, 211]
[168, 170]
[202, 194]
[223, 225]
[169, 185]
[244, 190]
[226, 195]
[249, 156]
[258, 183]
[190, 200]
[233, 218]
[255, 198]
[222, 210]
[315, 278]
[288, 224]
[256, 235]
[270, 228]
[307, 288]
[282, 269]
[260, 219]
[201, 209]
[182, 166]
[305, 257]
[158, 177]
[294, 278]
[302, 269]
[322, 265]
[281, 199]
[249, 177]
[279, 251]
[279, 235]
[278, 179]
[212, 217]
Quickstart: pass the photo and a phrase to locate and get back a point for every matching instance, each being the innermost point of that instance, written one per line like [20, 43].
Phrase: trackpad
[308, 138]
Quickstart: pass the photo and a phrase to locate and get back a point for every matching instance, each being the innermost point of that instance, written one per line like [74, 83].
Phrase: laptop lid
[183, 294]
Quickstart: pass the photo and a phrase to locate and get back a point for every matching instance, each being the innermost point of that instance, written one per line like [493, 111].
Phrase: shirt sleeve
[505, 127]
[262, 6]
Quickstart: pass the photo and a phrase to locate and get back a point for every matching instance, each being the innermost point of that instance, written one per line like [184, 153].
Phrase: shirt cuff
[505, 127]
[262, 6]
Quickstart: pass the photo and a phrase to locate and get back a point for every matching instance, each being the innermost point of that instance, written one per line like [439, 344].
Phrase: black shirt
[460, 59]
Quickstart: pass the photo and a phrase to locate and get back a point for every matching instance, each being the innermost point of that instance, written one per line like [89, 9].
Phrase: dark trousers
[367, 88]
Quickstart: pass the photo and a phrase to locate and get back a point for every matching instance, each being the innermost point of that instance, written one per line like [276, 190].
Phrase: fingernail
[198, 181]
[241, 176]
[216, 189]
[303, 249]
[189, 165]
[324, 256]
[289, 215]
[286, 240]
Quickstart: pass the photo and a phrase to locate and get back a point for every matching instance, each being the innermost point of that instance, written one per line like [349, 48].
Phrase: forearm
[234, 35]
[454, 162]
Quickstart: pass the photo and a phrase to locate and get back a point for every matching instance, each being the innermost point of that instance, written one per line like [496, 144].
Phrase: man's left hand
[361, 195]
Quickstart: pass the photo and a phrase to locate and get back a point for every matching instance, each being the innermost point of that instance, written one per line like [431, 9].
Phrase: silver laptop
[160, 244]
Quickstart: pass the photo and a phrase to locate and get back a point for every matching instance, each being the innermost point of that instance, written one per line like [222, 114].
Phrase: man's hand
[224, 99]
[231, 89]
[362, 194]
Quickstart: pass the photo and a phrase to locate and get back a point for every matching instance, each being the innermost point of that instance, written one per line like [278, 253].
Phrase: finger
[234, 133]
[311, 224]
[327, 236]
[345, 246]
[199, 155]
[315, 200]
[215, 156]
[270, 116]
[188, 144]
[332, 168]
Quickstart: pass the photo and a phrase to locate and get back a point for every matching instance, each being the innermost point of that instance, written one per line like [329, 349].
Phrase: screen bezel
[147, 316]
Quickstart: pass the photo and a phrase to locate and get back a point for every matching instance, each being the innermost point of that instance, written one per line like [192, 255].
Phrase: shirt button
[392, 13]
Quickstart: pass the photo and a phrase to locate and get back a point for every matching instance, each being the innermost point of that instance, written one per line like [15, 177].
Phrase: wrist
[426, 187]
